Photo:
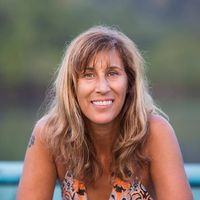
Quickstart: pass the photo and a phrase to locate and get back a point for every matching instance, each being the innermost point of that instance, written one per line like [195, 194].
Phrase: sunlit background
[34, 34]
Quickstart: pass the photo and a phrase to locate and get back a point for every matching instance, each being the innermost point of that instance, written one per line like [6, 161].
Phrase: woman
[103, 137]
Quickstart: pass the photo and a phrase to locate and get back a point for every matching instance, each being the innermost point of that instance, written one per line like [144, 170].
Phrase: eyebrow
[89, 68]
[108, 67]
[116, 67]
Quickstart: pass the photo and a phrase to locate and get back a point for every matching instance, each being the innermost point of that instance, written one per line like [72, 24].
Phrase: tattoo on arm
[31, 141]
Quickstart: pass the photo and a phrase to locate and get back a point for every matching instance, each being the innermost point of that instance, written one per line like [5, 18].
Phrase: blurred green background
[33, 36]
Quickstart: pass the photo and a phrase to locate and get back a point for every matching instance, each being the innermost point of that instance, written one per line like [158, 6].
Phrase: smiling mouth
[102, 103]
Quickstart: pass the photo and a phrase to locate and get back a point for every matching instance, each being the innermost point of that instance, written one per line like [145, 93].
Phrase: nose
[102, 85]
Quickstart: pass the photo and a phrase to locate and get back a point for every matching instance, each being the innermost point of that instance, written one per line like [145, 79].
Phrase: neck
[103, 137]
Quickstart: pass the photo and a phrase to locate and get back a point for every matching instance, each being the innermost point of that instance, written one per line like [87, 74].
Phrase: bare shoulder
[158, 125]
[162, 145]
[160, 133]
[39, 171]
[166, 162]
[39, 140]
[39, 129]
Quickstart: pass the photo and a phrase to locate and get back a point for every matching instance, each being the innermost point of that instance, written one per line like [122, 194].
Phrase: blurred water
[8, 192]
[10, 173]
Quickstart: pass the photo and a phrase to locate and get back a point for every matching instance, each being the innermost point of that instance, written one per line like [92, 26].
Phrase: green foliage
[34, 34]
[176, 56]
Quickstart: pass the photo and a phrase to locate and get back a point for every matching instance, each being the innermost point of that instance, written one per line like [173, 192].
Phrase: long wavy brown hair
[65, 128]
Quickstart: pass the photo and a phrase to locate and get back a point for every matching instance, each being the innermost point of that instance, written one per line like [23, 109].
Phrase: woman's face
[102, 88]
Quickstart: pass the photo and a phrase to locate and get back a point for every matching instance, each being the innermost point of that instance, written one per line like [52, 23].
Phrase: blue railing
[10, 173]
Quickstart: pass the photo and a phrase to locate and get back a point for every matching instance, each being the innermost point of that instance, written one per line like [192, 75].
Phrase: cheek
[80, 89]
[83, 91]
[81, 101]
[124, 86]
[79, 94]
[121, 90]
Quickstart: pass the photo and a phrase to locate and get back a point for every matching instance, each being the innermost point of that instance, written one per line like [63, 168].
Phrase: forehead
[106, 59]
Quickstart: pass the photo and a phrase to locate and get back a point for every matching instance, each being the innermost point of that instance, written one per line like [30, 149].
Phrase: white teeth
[102, 103]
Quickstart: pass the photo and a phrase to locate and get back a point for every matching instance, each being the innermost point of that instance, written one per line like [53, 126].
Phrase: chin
[102, 120]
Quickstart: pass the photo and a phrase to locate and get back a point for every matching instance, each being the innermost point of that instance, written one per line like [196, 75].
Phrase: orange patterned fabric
[73, 189]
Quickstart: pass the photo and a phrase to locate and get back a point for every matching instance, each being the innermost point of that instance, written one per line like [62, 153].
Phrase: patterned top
[73, 189]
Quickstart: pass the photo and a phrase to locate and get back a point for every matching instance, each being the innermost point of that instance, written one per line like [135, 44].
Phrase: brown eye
[89, 75]
[112, 73]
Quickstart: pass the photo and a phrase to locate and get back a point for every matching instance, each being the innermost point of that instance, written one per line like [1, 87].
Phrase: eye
[112, 73]
[89, 75]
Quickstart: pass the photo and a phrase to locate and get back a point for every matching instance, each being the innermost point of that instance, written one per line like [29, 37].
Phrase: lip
[102, 102]
[107, 99]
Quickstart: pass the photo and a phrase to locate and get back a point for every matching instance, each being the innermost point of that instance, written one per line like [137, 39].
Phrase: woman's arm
[167, 168]
[39, 172]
